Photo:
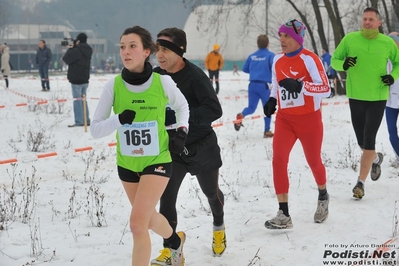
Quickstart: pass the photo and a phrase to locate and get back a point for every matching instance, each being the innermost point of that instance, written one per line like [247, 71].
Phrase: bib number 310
[139, 139]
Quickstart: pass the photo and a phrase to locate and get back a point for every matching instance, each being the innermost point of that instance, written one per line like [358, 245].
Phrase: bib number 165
[138, 137]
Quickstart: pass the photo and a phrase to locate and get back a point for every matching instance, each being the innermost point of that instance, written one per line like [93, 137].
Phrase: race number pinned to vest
[291, 99]
[139, 139]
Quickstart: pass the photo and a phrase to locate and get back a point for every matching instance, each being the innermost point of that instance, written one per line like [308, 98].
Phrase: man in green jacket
[364, 55]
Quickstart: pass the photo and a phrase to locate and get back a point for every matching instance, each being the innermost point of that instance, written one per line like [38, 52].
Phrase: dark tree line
[317, 15]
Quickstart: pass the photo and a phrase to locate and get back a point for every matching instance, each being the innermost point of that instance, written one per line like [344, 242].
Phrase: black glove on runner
[127, 117]
[387, 80]
[349, 62]
[177, 143]
[291, 85]
[270, 107]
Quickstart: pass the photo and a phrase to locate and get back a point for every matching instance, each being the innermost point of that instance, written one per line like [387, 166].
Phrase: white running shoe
[321, 213]
[279, 222]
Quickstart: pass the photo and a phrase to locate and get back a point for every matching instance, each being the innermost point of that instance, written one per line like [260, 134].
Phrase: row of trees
[327, 21]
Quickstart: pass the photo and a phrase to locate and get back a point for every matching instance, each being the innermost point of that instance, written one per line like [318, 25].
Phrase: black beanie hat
[82, 37]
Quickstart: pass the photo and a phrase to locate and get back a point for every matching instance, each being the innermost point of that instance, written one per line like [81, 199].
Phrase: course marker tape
[216, 124]
[40, 101]
[36, 156]
[45, 101]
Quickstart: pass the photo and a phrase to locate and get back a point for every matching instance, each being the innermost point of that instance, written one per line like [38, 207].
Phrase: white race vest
[289, 100]
[139, 139]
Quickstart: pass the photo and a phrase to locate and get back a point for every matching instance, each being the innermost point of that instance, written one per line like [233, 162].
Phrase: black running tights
[209, 185]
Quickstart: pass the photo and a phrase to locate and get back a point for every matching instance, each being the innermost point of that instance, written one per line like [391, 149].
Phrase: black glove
[349, 62]
[270, 107]
[170, 117]
[387, 80]
[291, 85]
[127, 117]
[177, 143]
[2, 71]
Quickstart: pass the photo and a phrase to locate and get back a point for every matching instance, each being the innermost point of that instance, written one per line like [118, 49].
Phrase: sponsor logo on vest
[139, 151]
[138, 101]
[160, 170]
[291, 103]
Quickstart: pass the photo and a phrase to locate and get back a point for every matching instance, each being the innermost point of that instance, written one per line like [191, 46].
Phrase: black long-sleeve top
[201, 97]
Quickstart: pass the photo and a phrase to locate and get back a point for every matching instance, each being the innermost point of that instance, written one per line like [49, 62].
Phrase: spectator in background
[299, 84]
[332, 76]
[5, 62]
[30, 65]
[235, 70]
[43, 59]
[259, 66]
[214, 63]
[60, 64]
[392, 109]
[367, 87]
[78, 59]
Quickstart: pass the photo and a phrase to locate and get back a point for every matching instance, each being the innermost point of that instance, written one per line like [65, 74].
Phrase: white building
[23, 41]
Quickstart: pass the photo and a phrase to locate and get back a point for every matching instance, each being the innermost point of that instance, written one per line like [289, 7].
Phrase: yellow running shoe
[219, 242]
[163, 259]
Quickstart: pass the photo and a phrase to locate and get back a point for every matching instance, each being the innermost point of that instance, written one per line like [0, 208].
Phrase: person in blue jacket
[259, 66]
[43, 59]
[326, 59]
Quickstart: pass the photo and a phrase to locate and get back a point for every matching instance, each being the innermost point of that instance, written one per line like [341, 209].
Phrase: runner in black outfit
[202, 154]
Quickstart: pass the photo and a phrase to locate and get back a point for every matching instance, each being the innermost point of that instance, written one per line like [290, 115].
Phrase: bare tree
[319, 19]
[335, 20]
[386, 12]
[395, 6]
[4, 11]
[304, 18]
[391, 16]
[337, 11]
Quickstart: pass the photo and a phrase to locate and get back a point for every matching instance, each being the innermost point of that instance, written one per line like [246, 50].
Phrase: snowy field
[63, 203]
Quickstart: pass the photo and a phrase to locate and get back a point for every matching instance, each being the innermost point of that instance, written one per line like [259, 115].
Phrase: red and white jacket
[304, 66]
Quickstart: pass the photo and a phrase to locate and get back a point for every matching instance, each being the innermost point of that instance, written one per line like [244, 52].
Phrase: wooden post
[84, 112]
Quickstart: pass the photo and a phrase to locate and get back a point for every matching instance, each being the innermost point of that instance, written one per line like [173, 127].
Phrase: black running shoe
[358, 190]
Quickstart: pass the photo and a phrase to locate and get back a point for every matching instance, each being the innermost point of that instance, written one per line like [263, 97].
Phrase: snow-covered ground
[56, 204]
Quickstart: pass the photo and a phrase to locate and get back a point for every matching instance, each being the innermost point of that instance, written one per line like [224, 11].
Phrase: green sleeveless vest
[149, 105]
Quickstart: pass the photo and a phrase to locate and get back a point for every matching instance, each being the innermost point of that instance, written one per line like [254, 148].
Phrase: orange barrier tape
[34, 157]
[45, 101]
[52, 79]
[216, 124]
[45, 155]
[27, 96]
[233, 97]
[83, 149]
[219, 124]
[334, 103]
[106, 79]
[40, 101]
